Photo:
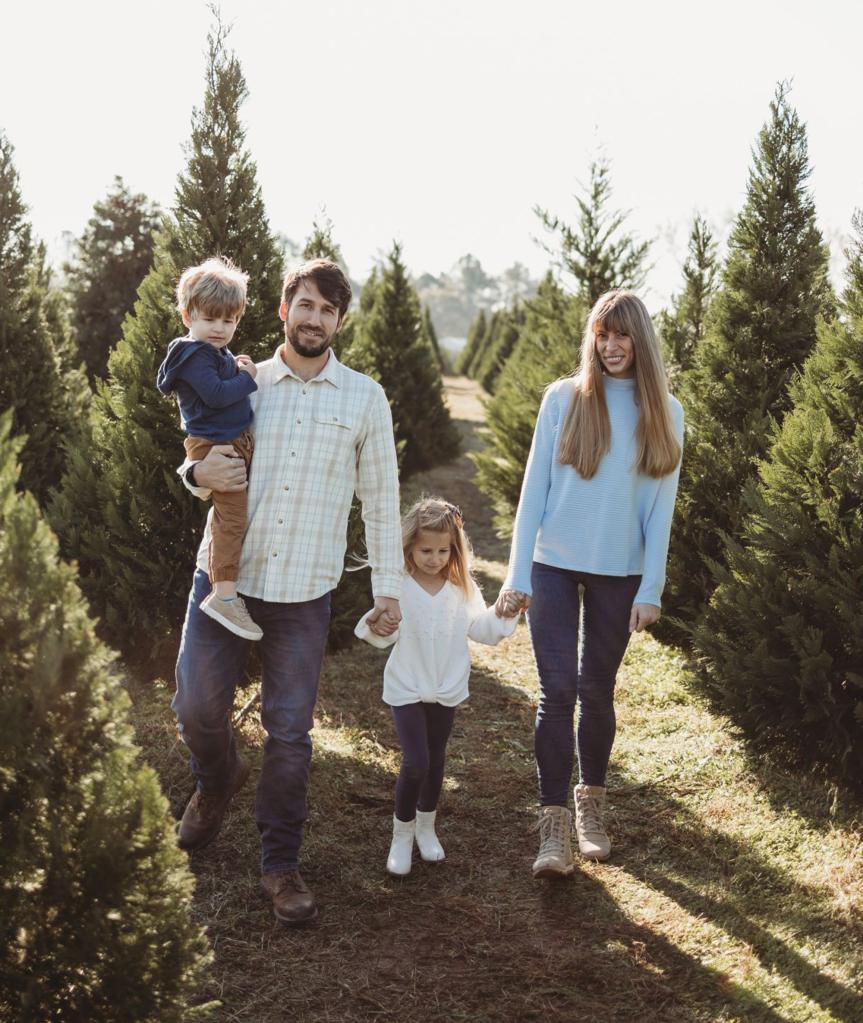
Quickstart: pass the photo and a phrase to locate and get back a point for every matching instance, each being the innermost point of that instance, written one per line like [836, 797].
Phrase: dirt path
[734, 892]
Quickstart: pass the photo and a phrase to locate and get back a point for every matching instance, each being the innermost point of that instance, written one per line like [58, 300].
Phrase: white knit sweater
[431, 661]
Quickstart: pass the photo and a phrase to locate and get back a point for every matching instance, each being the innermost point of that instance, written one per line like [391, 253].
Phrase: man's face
[311, 321]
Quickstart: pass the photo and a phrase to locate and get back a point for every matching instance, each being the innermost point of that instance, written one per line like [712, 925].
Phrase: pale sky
[443, 123]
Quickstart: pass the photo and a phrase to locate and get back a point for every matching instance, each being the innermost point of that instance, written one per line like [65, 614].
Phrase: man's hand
[385, 618]
[643, 615]
[247, 366]
[510, 603]
[223, 469]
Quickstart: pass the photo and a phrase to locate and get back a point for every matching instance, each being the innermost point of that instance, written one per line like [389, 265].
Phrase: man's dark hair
[328, 278]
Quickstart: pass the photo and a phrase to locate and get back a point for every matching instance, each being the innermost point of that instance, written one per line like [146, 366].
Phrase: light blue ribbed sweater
[618, 523]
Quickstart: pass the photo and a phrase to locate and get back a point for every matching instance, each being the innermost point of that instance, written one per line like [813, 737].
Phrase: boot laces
[590, 816]
[551, 834]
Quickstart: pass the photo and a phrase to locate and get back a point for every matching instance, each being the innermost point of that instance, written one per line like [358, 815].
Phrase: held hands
[222, 469]
[511, 603]
[246, 365]
[643, 615]
[385, 618]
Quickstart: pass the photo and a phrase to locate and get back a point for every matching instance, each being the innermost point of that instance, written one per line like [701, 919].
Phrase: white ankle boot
[402, 847]
[430, 848]
[593, 840]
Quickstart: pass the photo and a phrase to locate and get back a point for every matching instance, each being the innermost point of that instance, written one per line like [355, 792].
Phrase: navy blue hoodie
[212, 393]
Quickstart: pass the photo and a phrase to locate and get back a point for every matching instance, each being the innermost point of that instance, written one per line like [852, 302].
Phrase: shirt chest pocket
[334, 440]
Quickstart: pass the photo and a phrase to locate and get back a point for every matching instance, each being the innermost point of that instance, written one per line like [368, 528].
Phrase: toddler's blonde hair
[214, 288]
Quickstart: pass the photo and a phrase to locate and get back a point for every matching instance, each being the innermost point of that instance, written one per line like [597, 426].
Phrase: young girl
[426, 676]
[589, 548]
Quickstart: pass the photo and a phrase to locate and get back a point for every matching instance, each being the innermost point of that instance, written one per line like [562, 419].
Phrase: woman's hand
[510, 603]
[643, 615]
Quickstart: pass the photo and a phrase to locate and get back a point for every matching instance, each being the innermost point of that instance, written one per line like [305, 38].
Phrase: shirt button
[299, 420]
[287, 488]
[275, 554]
[281, 521]
[293, 454]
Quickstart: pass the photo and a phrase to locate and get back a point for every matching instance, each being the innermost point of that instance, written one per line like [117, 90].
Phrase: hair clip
[455, 511]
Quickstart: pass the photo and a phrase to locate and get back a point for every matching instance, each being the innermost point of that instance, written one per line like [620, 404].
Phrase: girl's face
[616, 353]
[430, 552]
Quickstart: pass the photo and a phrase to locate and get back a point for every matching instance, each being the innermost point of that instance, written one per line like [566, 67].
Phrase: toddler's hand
[247, 366]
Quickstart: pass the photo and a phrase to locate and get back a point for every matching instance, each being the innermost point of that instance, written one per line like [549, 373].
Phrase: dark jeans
[423, 730]
[565, 678]
[210, 664]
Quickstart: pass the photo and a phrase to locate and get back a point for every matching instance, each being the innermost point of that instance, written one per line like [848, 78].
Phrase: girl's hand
[510, 603]
[384, 618]
[643, 615]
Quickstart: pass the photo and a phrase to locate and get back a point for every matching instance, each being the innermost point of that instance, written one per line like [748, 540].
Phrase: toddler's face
[431, 551]
[215, 330]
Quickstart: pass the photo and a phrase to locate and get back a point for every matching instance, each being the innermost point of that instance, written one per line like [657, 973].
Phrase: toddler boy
[213, 391]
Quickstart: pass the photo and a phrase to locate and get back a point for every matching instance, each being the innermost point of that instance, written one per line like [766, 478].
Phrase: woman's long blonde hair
[586, 434]
[439, 516]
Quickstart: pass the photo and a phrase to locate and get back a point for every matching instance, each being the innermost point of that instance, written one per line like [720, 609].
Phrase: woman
[592, 528]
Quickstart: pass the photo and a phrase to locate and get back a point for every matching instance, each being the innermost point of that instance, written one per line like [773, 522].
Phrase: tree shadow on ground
[791, 784]
[660, 842]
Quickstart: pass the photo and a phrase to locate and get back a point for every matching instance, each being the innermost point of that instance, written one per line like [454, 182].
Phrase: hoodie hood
[179, 350]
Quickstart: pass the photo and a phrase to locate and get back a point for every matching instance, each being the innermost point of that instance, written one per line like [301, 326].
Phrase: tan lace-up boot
[555, 854]
[593, 840]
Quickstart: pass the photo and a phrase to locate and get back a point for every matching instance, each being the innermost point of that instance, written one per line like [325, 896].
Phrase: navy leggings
[568, 675]
[423, 730]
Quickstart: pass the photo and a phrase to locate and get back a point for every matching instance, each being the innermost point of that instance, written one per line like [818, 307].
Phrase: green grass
[734, 892]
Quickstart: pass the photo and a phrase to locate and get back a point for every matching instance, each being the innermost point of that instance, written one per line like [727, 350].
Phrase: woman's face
[616, 353]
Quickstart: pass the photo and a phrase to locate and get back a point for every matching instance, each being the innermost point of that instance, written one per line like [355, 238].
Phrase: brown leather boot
[293, 903]
[204, 813]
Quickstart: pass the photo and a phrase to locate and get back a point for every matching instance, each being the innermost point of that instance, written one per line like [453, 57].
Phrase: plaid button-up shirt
[317, 442]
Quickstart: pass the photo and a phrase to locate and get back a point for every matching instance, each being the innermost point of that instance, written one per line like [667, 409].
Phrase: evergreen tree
[498, 352]
[598, 253]
[431, 334]
[392, 347]
[123, 514]
[110, 260]
[38, 380]
[475, 339]
[94, 895]
[486, 343]
[547, 348]
[682, 330]
[781, 644]
[774, 289]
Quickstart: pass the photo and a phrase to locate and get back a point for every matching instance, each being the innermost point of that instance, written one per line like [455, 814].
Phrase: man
[322, 432]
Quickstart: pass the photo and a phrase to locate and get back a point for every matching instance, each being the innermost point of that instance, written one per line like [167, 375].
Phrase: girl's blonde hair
[586, 434]
[439, 516]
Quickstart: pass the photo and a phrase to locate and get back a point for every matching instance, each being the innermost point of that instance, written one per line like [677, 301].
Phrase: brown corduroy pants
[229, 511]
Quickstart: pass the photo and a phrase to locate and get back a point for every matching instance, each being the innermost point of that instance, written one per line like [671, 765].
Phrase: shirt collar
[332, 371]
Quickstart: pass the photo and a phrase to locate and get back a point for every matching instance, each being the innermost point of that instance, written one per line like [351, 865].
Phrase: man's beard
[310, 347]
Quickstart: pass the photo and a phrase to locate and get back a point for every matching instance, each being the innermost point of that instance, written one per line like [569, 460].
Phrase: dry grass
[734, 892]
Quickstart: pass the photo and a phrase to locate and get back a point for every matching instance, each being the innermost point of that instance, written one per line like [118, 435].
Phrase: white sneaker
[555, 853]
[430, 848]
[402, 847]
[593, 840]
[233, 614]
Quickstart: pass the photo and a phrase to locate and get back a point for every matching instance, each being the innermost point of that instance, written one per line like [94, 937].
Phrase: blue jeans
[565, 678]
[210, 663]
